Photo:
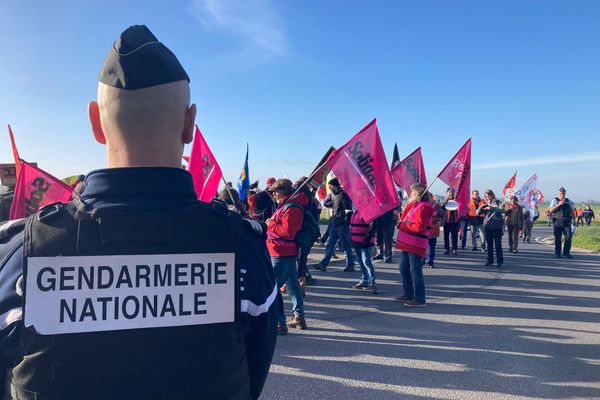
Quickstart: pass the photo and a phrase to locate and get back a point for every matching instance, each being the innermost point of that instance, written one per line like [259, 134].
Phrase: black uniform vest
[186, 362]
[563, 213]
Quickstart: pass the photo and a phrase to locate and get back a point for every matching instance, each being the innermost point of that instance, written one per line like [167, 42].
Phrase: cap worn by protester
[270, 181]
[282, 185]
[562, 190]
[191, 338]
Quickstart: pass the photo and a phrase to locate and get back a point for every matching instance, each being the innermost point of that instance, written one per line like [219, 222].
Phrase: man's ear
[94, 114]
[188, 127]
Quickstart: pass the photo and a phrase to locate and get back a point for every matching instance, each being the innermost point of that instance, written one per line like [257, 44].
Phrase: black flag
[395, 156]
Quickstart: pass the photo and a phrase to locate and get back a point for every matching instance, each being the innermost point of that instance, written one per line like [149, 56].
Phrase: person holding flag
[413, 239]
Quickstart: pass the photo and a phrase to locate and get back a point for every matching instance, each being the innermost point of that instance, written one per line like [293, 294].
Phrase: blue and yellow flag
[244, 180]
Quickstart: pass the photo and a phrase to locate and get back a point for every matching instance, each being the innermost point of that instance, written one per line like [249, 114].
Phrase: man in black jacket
[340, 220]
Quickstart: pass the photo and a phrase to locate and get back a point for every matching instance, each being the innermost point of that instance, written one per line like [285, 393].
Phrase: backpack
[310, 231]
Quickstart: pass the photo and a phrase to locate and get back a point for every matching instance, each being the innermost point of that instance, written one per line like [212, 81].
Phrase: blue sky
[293, 77]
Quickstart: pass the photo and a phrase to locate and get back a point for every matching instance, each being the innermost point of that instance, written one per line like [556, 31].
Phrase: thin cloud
[256, 23]
[545, 160]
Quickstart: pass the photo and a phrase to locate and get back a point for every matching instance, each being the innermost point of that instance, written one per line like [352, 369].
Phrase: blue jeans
[285, 271]
[343, 233]
[411, 269]
[432, 243]
[367, 271]
[464, 226]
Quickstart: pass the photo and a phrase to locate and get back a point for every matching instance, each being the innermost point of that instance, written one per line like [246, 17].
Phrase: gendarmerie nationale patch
[114, 292]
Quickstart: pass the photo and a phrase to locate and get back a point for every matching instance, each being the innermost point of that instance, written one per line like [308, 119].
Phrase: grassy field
[587, 237]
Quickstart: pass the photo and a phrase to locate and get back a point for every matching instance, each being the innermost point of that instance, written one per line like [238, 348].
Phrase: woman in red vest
[413, 240]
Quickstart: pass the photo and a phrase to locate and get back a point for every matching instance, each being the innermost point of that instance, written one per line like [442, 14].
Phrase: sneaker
[528, 241]
[360, 285]
[296, 322]
[431, 265]
[389, 261]
[282, 329]
[474, 248]
[373, 287]
[447, 252]
[335, 256]
[349, 268]
[515, 251]
[310, 281]
[320, 267]
[557, 255]
[454, 253]
[412, 303]
[402, 298]
[568, 255]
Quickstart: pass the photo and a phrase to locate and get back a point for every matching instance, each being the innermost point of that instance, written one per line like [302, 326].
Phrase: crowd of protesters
[290, 214]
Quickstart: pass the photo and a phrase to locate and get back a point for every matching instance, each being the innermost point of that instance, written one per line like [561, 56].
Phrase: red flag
[204, 168]
[510, 184]
[36, 188]
[362, 168]
[410, 170]
[14, 151]
[457, 175]
[540, 197]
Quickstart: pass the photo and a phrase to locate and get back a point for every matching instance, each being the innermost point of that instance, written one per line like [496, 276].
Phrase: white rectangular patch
[107, 293]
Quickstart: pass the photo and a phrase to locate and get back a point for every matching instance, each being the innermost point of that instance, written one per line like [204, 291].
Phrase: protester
[6, 200]
[340, 220]
[312, 211]
[144, 117]
[476, 220]
[231, 197]
[514, 222]
[413, 239]
[588, 214]
[450, 224]
[265, 204]
[282, 228]
[385, 225]
[493, 223]
[527, 225]
[579, 213]
[562, 211]
[437, 221]
[362, 236]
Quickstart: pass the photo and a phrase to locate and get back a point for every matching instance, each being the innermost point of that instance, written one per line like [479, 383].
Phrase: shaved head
[144, 127]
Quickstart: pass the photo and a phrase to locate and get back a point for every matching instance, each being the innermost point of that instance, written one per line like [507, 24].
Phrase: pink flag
[362, 168]
[36, 188]
[457, 175]
[410, 170]
[204, 168]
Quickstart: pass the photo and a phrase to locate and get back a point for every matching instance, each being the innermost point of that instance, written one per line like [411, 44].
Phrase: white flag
[527, 194]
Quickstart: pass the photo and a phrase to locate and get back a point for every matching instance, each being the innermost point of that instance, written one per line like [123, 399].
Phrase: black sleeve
[260, 309]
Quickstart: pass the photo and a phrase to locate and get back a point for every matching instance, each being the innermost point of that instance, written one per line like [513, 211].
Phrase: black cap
[562, 190]
[138, 60]
[334, 182]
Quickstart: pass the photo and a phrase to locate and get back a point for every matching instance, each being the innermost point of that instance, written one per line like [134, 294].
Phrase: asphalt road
[528, 331]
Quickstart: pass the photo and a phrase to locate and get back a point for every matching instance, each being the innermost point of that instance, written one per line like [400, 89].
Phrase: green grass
[587, 237]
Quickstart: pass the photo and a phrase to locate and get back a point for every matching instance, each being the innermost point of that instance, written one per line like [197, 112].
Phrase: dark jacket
[341, 208]
[155, 190]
